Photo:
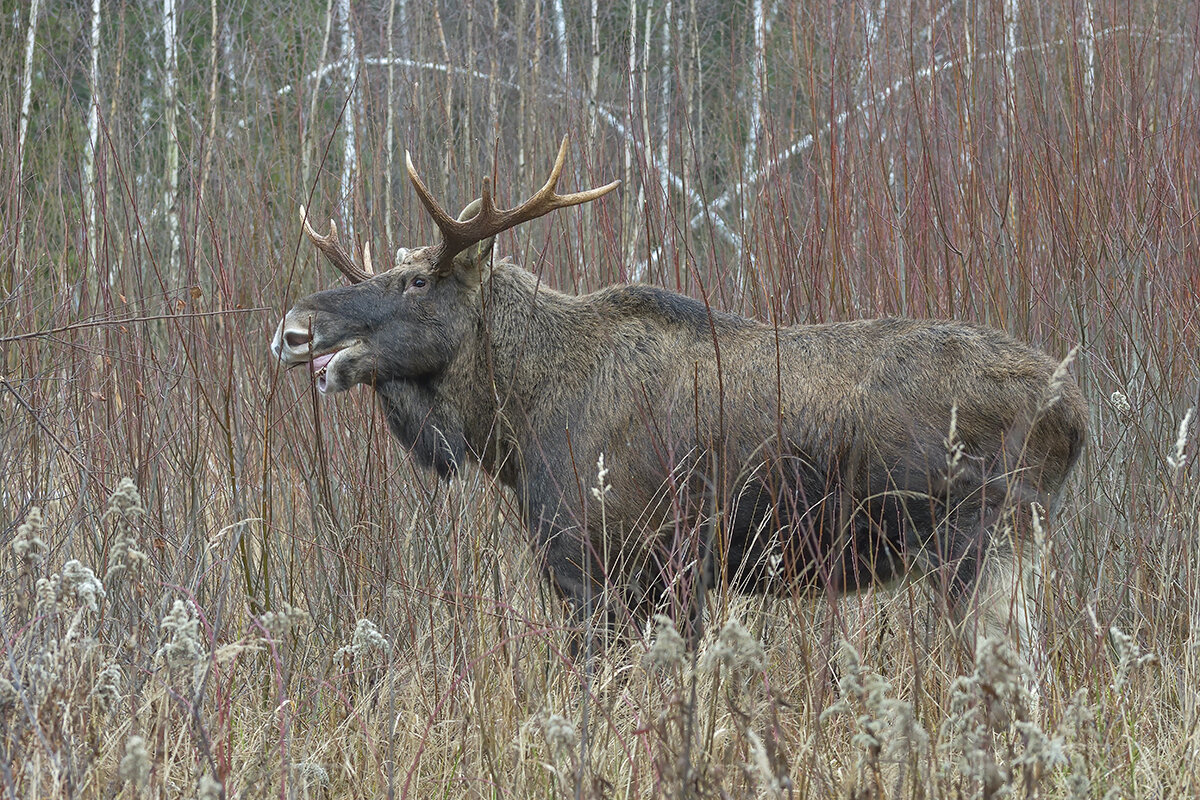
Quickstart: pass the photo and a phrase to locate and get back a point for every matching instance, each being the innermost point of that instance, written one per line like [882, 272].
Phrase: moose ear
[472, 260]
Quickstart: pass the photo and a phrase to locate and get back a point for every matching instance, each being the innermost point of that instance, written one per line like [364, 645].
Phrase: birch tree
[210, 139]
[389, 135]
[560, 39]
[632, 201]
[594, 78]
[349, 141]
[171, 189]
[305, 155]
[1089, 50]
[1011, 8]
[93, 145]
[521, 93]
[23, 126]
[757, 81]
[664, 103]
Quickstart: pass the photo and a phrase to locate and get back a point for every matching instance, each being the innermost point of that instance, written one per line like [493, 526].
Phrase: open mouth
[319, 366]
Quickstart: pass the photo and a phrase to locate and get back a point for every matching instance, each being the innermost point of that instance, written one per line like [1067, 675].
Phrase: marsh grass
[278, 603]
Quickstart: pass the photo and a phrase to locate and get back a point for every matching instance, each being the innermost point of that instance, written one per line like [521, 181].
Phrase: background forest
[278, 603]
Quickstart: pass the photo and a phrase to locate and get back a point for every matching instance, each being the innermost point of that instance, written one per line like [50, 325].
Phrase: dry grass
[280, 604]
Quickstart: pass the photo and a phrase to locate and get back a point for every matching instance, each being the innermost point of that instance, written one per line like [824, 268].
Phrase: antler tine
[489, 220]
[456, 236]
[547, 198]
[331, 247]
[443, 220]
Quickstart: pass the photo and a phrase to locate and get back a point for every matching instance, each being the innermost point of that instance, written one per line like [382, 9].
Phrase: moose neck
[523, 350]
[534, 345]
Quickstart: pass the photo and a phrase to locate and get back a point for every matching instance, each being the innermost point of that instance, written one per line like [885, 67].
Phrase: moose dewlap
[790, 460]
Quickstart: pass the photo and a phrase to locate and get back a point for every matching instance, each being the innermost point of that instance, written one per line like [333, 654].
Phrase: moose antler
[331, 246]
[488, 221]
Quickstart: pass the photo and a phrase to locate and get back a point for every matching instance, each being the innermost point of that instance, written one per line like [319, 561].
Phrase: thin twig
[100, 323]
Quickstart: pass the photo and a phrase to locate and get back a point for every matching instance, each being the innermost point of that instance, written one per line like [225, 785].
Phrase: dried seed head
[28, 544]
[887, 728]
[667, 648]
[366, 641]
[1129, 656]
[125, 499]
[124, 506]
[774, 785]
[736, 649]
[49, 594]
[107, 691]
[1004, 679]
[83, 582]
[1120, 404]
[181, 630]
[135, 766]
[1079, 785]
[308, 775]
[287, 619]
[1079, 720]
[1058, 379]
[1042, 753]
[602, 488]
[208, 788]
[954, 447]
[561, 736]
[1178, 456]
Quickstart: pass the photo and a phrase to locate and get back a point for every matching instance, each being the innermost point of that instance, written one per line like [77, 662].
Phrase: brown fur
[799, 459]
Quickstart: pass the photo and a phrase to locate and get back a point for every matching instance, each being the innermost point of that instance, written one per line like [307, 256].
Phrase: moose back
[814, 458]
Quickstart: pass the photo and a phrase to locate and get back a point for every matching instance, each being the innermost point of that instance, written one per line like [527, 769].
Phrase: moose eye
[418, 282]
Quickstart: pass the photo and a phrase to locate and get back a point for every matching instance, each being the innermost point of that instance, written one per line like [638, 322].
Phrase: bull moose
[803, 459]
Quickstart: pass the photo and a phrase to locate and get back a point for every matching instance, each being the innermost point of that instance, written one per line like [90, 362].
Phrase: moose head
[407, 323]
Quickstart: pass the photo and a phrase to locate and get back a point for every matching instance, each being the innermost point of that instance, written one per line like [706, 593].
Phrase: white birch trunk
[929, 52]
[349, 142]
[639, 271]
[968, 111]
[494, 76]
[305, 158]
[389, 134]
[171, 192]
[664, 104]
[536, 81]
[632, 205]
[467, 153]
[696, 108]
[89, 153]
[757, 81]
[210, 138]
[1011, 9]
[448, 98]
[521, 91]
[26, 90]
[594, 81]
[560, 39]
[645, 82]
[1089, 50]
[969, 39]
[23, 124]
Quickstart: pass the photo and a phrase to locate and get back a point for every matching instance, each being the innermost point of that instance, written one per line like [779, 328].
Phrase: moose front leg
[578, 577]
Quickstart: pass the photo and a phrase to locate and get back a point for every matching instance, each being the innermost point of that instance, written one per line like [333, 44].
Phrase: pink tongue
[318, 363]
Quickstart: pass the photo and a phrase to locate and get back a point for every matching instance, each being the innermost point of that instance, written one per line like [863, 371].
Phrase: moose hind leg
[992, 594]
